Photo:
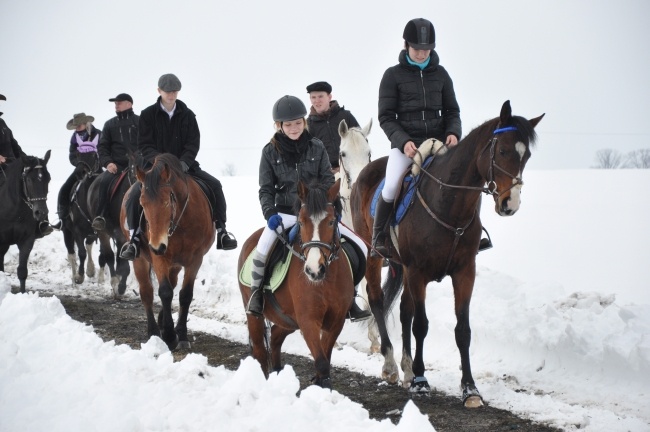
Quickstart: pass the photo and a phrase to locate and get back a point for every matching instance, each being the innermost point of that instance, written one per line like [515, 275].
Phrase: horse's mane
[316, 200]
[162, 161]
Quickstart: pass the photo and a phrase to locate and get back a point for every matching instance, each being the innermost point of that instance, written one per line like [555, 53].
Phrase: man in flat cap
[169, 126]
[119, 138]
[324, 118]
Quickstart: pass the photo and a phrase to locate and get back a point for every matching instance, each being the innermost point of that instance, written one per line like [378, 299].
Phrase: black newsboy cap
[319, 86]
[121, 97]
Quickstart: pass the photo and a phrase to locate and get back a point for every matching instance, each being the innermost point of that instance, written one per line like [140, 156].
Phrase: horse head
[164, 199]
[318, 219]
[504, 157]
[87, 164]
[354, 152]
[36, 180]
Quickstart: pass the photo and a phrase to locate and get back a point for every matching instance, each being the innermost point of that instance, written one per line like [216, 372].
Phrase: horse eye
[331, 222]
[342, 154]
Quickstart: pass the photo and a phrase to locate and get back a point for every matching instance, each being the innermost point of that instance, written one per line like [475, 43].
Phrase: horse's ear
[506, 113]
[343, 128]
[333, 192]
[165, 174]
[47, 156]
[302, 191]
[366, 128]
[536, 120]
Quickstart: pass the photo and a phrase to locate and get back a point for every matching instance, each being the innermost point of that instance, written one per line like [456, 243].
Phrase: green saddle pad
[277, 275]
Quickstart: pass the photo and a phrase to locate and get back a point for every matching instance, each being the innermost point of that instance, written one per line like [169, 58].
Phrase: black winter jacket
[279, 178]
[8, 145]
[119, 136]
[180, 136]
[407, 94]
[326, 128]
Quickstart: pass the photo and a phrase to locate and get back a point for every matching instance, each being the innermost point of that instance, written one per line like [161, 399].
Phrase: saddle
[209, 195]
[410, 180]
[277, 266]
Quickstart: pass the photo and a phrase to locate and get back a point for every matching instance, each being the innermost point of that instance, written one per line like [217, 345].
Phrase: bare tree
[638, 159]
[229, 170]
[607, 159]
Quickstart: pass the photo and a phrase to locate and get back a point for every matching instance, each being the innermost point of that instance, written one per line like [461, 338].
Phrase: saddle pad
[277, 275]
[405, 199]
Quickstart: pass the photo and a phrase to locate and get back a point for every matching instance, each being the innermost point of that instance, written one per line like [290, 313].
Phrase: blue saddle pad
[406, 198]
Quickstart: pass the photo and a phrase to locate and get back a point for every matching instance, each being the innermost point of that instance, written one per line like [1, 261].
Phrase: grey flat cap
[169, 83]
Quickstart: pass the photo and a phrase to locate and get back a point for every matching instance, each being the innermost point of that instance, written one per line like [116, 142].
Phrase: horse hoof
[419, 385]
[183, 345]
[473, 402]
[78, 280]
[390, 377]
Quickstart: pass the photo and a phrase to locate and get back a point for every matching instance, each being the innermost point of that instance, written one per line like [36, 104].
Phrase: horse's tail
[392, 286]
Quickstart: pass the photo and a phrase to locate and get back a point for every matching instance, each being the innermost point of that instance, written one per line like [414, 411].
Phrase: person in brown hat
[325, 115]
[169, 126]
[84, 139]
[119, 138]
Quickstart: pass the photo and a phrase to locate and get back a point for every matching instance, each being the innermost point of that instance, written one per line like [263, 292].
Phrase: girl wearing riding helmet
[416, 102]
[292, 155]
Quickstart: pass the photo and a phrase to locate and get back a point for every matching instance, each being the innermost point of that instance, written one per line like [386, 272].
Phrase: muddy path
[125, 323]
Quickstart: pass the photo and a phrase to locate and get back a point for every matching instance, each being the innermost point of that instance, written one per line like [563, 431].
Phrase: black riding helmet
[288, 108]
[420, 34]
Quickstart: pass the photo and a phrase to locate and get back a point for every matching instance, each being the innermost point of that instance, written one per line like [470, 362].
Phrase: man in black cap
[324, 118]
[169, 126]
[119, 138]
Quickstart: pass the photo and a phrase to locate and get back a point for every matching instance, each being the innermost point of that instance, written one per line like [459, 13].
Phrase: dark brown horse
[439, 236]
[24, 185]
[179, 232]
[317, 292]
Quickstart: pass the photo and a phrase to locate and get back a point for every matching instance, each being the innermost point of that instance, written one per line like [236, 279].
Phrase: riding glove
[274, 221]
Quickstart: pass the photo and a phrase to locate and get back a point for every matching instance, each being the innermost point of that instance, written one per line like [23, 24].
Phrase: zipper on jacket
[424, 98]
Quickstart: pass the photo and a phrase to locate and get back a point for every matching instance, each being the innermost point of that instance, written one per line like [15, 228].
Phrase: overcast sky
[586, 64]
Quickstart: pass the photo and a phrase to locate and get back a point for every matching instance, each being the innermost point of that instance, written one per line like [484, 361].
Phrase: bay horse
[318, 289]
[178, 231]
[23, 194]
[77, 228]
[439, 236]
[119, 269]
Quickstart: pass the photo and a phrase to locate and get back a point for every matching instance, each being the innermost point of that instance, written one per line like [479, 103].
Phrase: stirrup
[99, 223]
[356, 314]
[255, 312]
[226, 240]
[45, 228]
[484, 244]
[128, 254]
[379, 248]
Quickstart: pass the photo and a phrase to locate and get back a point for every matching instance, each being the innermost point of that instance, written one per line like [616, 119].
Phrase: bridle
[29, 200]
[332, 247]
[174, 224]
[491, 185]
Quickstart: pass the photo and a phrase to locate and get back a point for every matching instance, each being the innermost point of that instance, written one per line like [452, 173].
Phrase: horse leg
[166, 295]
[312, 335]
[278, 335]
[4, 247]
[81, 253]
[25, 248]
[463, 283]
[373, 331]
[389, 371]
[142, 269]
[123, 270]
[68, 240]
[185, 296]
[90, 264]
[106, 257]
[406, 320]
[414, 316]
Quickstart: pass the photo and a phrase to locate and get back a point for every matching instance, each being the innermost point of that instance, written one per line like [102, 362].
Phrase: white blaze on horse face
[312, 263]
[515, 193]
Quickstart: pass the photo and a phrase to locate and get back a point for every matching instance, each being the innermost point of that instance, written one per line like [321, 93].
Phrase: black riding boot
[356, 313]
[64, 212]
[380, 240]
[256, 302]
[131, 250]
[225, 240]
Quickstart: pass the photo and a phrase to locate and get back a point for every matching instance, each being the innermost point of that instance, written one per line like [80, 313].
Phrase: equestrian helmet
[288, 108]
[420, 34]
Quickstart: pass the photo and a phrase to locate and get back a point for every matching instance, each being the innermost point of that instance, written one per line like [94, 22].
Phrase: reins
[173, 225]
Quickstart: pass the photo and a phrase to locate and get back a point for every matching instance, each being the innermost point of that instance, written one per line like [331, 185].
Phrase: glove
[185, 166]
[274, 221]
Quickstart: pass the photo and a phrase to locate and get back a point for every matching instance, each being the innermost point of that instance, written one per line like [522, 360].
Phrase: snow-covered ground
[560, 329]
